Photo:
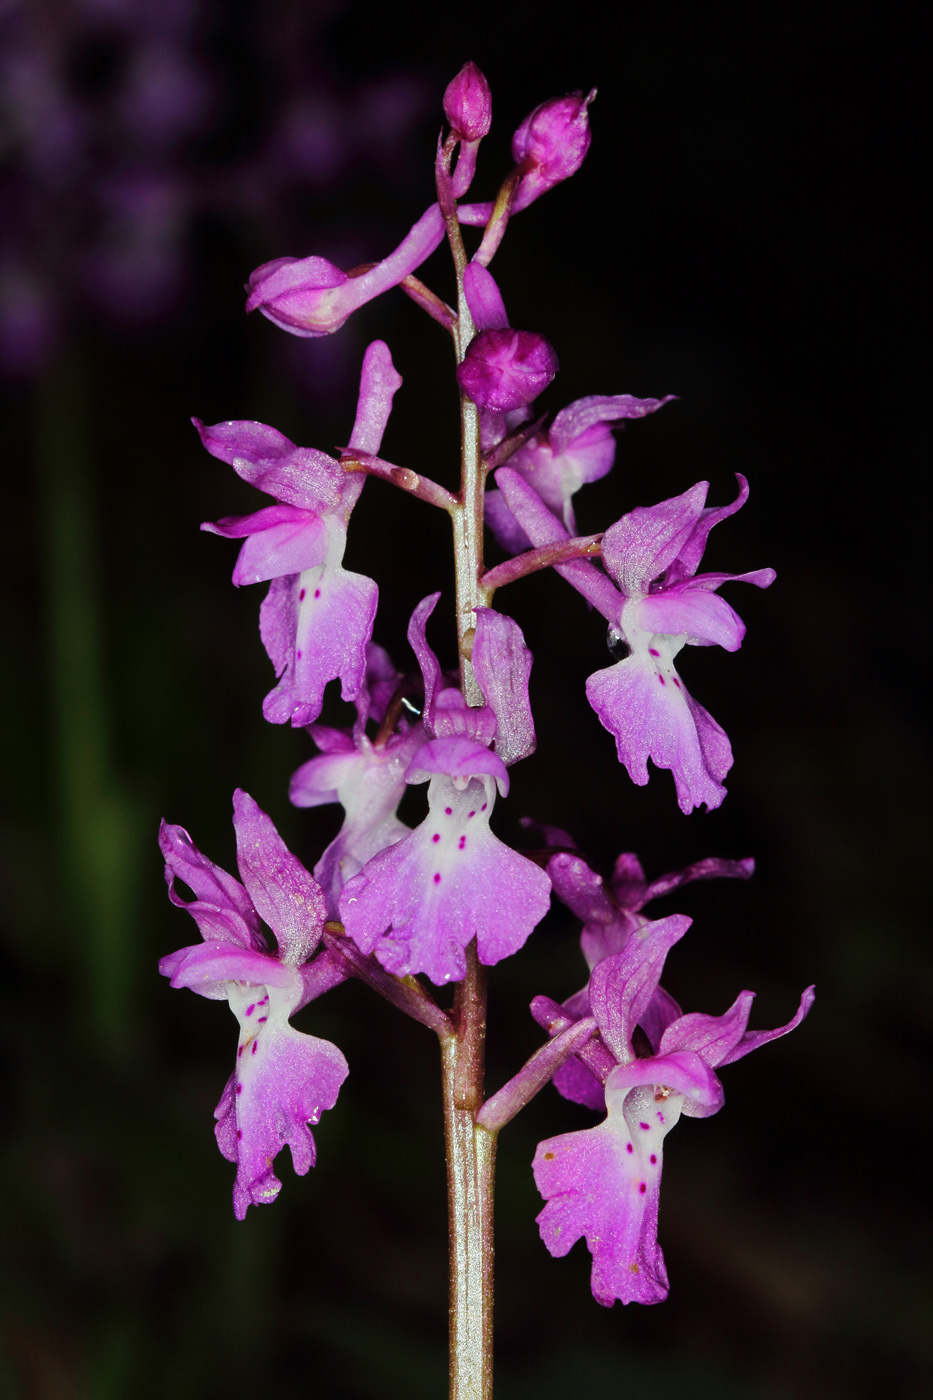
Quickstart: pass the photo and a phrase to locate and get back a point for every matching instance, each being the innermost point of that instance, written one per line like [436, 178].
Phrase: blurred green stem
[99, 824]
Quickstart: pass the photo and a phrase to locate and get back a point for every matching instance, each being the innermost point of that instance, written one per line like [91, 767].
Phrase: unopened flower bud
[468, 104]
[506, 369]
[551, 144]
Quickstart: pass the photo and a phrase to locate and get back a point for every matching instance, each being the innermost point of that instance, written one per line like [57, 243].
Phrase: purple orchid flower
[611, 914]
[656, 604]
[367, 777]
[603, 1183]
[317, 617]
[579, 448]
[312, 297]
[418, 903]
[283, 1079]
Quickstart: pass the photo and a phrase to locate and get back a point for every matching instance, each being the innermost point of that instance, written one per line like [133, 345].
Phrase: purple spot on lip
[629, 1148]
[239, 1052]
[653, 1159]
[298, 654]
[643, 1188]
[661, 1116]
[255, 1044]
[436, 836]
[643, 1125]
[239, 1088]
[239, 1133]
[301, 595]
[470, 814]
[652, 652]
[484, 806]
[462, 842]
[437, 879]
[264, 1000]
[251, 1009]
[677, 682]
[317, 593]
[449, 811]
[660, 678]
[262, 1019]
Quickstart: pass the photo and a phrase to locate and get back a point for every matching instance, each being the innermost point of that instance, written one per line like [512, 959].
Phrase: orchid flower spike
[283, 1079]
[317, 617]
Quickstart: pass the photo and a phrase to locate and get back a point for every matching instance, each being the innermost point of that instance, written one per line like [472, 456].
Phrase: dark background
[743, 234]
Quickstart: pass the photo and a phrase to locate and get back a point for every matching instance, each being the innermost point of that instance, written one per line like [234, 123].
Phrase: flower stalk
[471, 1156]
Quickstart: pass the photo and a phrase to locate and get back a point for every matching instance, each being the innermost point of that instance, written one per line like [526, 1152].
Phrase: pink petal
[484, 299]
[640, 546]
[622, 986]
[283, 1087]
[419, 903]
[664, 723]
[289, 900]
[502, 665]
[704, 617]
[577, 418]
[379, 381]
[222, 909]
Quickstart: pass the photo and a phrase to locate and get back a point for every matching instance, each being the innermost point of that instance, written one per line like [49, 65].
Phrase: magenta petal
[606, 927]
[418, 904]
[206, 968]
[509, 534]
[651, 718]
[751, 1040]
[681, 1072]
[315, 783]
[284, 1080]
[712, 1037]
[316, 627]
[578, 417]
[690, 556]
[379, 380]
[299, 476]
[484, 299]
[286, 896]
[596, 1188]
[287, 548]
[640, 546]
[502, 665]
[710, 869]
[622, 986]
[703, 617]
[573, 1081]
[458, 758]
[660, 1012]
[222, 910]
[428, 662]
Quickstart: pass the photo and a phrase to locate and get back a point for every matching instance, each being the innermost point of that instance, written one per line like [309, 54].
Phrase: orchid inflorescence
[390, 905]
